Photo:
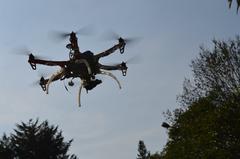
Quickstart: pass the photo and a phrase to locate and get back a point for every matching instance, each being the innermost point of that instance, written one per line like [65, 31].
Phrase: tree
[207, 125]
[230, 4]
[155, 156]
[35, 141]
[216, 70]
[205, 130]
[142, 151]
[6, 151]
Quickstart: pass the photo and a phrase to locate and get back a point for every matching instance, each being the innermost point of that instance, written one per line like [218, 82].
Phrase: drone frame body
[80, 65]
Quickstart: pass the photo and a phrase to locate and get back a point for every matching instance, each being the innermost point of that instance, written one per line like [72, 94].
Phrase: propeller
[26, 52]
[42, 75]
[132, 60]
[61, 35]
[111, 35]
[37, 82]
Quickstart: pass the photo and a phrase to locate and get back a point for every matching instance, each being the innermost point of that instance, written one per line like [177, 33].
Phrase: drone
[82, 65]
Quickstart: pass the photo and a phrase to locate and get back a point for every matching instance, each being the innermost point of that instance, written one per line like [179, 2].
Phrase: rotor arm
[110, 68]
[109, 51]
[32, 61]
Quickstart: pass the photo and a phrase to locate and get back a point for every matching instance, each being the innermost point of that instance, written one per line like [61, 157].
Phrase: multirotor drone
[83, 65]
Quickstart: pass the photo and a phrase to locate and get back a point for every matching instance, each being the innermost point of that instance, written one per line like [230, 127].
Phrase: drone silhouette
[83, 65]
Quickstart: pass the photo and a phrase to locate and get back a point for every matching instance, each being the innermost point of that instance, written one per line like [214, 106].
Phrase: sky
[111, 121]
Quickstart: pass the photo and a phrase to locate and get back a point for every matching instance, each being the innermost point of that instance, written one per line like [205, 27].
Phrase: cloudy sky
[111, 121]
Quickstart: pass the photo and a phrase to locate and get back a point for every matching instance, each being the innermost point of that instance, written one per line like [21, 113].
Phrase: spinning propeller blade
[132, 60]
[111, 35]
[36, 82]
[41, 75]
[62, 35]
[86, 30]
[26, 52]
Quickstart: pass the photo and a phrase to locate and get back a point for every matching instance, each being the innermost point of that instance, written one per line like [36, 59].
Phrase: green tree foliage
[238, 4]
[6, 150]
[155, 156]
[142, 151]
[208, 124]
[205, 130]
[216, 70]
[35, 141]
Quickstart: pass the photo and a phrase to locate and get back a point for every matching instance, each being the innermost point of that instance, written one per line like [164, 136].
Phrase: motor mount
[71, 54]
[124, 68]
[123, 43]
[42, 83]
[31, 58]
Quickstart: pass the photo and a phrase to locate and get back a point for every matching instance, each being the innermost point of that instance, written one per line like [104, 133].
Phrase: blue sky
[111, 121]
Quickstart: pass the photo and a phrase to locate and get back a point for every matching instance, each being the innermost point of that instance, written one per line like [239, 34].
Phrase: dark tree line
[207, 126]
[214, 71]
[143, 153]
[32, 140]
[205, 130]
[207, 123]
